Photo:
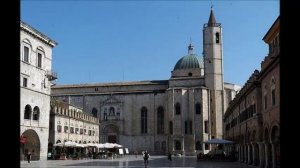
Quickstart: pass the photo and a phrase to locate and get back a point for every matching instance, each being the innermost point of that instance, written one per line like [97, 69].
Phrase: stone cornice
[32, 31]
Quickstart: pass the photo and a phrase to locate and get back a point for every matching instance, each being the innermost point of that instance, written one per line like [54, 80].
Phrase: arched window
[198, 145]
[111, 111]
[177, 109]
[144, 120]
[36, 113]
[160, 120]
[177, 145]
[217, 37]
[198, 108]
[27, 112]
[94, 112]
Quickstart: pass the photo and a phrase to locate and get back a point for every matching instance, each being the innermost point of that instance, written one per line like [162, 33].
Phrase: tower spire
[212, 19]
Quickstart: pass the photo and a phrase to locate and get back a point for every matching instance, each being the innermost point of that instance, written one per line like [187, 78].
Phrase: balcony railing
[51, 75]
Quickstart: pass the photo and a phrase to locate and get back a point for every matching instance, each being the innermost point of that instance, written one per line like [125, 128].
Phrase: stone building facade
[174, 115]
[36, 79]
[70, 123]
[253, 117]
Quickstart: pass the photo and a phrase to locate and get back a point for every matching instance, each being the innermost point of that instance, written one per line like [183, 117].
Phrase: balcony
[51, 75]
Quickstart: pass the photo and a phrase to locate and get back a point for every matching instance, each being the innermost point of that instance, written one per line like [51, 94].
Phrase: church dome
[190, 61]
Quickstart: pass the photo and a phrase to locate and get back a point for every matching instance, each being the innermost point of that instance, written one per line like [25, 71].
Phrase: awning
[218, 141]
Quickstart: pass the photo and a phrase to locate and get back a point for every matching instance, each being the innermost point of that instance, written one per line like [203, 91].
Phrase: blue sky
[115, 41]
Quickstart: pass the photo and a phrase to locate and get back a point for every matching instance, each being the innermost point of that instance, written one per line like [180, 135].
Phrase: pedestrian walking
[28, 157]
[170, 156]
[146, 157]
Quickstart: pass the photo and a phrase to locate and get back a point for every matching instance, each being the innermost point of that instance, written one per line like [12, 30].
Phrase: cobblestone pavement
[132, 161]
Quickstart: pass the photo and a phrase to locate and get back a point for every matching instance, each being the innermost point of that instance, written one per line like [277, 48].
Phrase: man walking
[146, 157]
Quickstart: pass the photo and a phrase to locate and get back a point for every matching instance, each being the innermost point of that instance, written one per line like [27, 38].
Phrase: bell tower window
[217, 37]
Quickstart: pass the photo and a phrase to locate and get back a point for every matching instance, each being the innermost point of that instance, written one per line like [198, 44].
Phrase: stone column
[242, 153]
[248, 154]
[267, 155]
[254, 157]
[239, 153]
[261, 149]
[273, 155]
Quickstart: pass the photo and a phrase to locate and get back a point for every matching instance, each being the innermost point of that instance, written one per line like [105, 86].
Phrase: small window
[266, 101]
[206, 126]
[198, 108]
[217, 37]
[39, 60]
[59, 128]
[273, 97]
[190, 74]
[24, 82]
[66, 129]
[72, 130]
[26, 54]
[94, 112]
[177, 109]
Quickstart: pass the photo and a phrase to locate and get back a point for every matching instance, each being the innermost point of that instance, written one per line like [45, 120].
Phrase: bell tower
[213, 71]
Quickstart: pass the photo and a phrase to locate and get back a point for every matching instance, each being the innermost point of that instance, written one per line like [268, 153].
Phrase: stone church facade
[174, 115]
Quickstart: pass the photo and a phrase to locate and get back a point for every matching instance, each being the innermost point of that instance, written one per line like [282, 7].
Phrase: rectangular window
[76, 130]
[273, 97]
[39, 61]
[84, 131]
[59, 128]
[26, 54]
[66, 129]
[81, 131]
[24, 82]
[90, 132]
[206, 126]
[72, 130]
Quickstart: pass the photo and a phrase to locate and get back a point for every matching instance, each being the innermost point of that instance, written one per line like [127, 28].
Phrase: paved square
[132, 161]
